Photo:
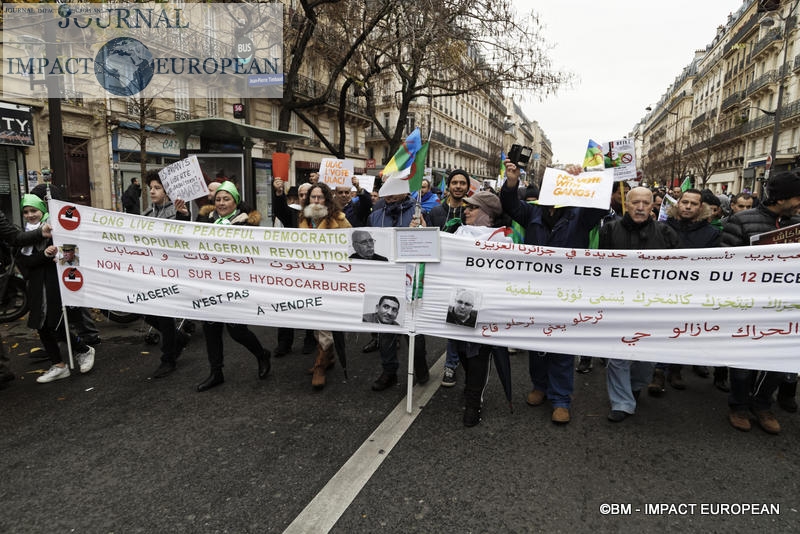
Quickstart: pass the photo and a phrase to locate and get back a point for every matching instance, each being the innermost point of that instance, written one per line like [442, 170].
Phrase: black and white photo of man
[386, 311]
[462, 310]
[364, 246]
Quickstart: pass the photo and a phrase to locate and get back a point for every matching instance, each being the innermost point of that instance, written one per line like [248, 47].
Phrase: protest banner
[336, 172]
[184, 180]
[589, 189]
[366, 182]
[236, 274]
[735, 307]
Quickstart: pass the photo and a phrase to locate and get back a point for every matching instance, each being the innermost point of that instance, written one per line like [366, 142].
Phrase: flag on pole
[404, 156]
[687, 184]
[594, 160]
[418, 169]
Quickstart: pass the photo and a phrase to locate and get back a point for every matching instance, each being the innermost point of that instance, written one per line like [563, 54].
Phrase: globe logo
[124, 66]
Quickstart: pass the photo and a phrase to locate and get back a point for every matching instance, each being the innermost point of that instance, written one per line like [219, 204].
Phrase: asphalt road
[112, 451]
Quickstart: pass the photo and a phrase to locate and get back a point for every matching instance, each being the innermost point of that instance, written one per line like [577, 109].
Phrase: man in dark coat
[552, 374]
[131, 197]
[636, 230]
[777, 210]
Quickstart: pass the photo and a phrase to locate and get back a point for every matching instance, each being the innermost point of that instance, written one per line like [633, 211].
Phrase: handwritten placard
[588, 189]
[184, 180]
[336, 172]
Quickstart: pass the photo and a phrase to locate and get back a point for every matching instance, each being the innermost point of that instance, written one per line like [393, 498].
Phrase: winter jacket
[328, 223]
[626, 234]
[570, 230]
[165, 211]
[740, 226]
[44, 297]
[442, 214]
[395, 215]
[243, 218]
[130, 199]
[695, 234]
[357, 210]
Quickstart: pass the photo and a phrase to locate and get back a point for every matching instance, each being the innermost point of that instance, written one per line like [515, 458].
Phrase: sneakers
[739, 420]
[656, 387]
[385, 381]
[584, 365]
[54, 373]
[449, 377]
[535, 397]
[472, 416]
[767, 421]
[86, 360]
[560, 415]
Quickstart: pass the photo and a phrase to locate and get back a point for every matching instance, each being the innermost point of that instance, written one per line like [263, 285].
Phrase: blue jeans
[554, 374]
[451, 361]
[623, 377]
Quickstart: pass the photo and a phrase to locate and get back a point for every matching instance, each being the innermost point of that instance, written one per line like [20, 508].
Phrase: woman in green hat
[228, 210]
[38, 264]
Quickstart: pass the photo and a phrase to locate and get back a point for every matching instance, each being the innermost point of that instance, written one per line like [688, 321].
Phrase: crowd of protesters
[636, 218]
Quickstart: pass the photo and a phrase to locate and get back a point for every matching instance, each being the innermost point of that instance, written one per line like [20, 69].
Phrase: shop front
[16, 134]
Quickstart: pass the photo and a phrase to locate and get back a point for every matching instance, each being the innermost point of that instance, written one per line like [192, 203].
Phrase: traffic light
[238, 111]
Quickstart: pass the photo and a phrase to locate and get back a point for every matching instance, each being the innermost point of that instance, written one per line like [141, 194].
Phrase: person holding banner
[552, 374]
[14, 236]
[449, 215]
[398, 211]
[752, 391]
[227, 210]
[172, 340]
[636, 230]
[38, 264]
[322, 212]
[288, 215]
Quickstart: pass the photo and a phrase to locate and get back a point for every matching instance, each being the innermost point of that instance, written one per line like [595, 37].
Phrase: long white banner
[737, 307]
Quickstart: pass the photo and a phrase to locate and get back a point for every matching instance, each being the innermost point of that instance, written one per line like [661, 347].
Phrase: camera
[520, 155]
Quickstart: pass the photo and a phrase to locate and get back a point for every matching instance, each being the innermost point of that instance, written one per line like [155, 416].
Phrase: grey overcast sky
[625, 55]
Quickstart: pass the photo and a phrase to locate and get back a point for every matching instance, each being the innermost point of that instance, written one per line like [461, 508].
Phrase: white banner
[738, 307]
[235, 274]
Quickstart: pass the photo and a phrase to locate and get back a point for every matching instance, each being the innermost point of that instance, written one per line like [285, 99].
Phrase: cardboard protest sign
[184, 180]
[336, 172]
[588, 189]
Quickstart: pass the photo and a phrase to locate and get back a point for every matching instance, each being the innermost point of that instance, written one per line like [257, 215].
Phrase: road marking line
[330, 503]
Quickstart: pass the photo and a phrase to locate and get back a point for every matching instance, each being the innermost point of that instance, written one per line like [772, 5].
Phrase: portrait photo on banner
[463, 308]
[384, 309]
[365, 244]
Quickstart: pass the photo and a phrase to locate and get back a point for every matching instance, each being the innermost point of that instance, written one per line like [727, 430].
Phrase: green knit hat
[229, 188]
[34, 202]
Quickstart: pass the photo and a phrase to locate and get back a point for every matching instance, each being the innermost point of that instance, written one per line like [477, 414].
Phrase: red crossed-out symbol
[72, 278]
[69, 218]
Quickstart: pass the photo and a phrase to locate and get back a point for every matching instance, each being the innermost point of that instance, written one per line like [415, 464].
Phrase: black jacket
[625, 234]
[130, 199]
[741, 225]
[695, 234]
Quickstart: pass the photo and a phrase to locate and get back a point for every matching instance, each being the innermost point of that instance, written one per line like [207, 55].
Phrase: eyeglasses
[470, 207]
[364, 242]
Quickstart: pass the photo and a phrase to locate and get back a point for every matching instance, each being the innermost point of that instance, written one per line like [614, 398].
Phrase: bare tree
[700, 154]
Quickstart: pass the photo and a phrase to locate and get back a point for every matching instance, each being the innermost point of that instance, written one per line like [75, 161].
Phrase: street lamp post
[776, 128]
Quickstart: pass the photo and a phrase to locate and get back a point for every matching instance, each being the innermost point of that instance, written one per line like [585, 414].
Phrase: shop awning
[722, 178]
[226, 129]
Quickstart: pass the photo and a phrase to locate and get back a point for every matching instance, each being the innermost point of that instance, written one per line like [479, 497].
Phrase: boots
[675, 377]
[656, 387]
[214, 379]
[786, 394]
[325, 360]
[330, 361]
[264, 364]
